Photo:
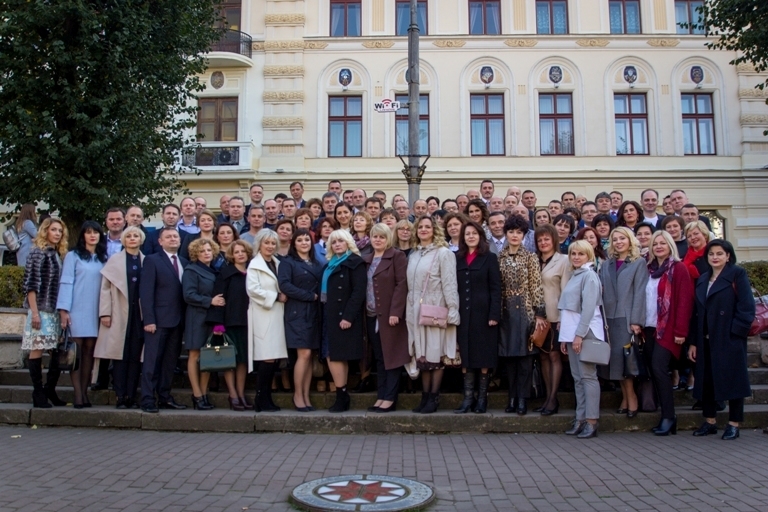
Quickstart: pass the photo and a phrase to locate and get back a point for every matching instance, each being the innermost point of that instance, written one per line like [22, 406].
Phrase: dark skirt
[239, 336]
[515, 325]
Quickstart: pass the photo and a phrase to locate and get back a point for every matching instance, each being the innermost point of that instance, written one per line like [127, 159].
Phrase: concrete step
[351, 422]
[360, 401]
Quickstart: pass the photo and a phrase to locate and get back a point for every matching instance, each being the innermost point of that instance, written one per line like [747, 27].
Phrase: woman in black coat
[725, 311]
[233, 316]
[479, 281]
[299, 276]
[343, 293]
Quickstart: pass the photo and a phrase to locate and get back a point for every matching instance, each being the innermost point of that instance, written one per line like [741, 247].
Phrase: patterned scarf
[361, 242]
[664, 297]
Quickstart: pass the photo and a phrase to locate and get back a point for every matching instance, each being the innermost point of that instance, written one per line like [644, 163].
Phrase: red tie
[175, 265]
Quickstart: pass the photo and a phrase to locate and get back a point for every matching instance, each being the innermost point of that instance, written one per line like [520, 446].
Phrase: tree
[95, 100]
[741, 26]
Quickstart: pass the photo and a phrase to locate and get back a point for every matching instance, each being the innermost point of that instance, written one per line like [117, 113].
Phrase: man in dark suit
[162, 306]
[170, 215]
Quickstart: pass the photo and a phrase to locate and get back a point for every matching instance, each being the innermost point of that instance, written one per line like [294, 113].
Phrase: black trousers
[520, 376]
[387, 381]
[658, 359]
[161, 350]
[708, 402]
[126, 371]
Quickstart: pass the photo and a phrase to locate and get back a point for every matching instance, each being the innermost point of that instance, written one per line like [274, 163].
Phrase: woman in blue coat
[299, 276]
[725, 311]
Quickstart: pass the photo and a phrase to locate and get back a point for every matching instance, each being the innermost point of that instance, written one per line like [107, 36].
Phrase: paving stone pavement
[60, 469]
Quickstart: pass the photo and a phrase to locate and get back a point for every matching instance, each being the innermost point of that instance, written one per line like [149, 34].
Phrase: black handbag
[219, 357]
[631, 358]
[67, 352]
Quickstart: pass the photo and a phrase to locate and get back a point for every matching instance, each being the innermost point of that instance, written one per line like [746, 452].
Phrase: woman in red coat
[386, 296]
[669, 304]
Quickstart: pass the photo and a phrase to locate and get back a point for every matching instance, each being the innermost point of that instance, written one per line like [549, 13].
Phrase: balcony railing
[234, 41]
[211, 156]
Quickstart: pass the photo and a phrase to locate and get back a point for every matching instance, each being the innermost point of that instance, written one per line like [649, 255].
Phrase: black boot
[199, 404]
[667, 426]
[52, 379]
[342, 401]
[263, 401]
[424, 397]
[512, 407]
[433, 400]
[38, 393]
[469, 393]
[522, 407]
[482, 394]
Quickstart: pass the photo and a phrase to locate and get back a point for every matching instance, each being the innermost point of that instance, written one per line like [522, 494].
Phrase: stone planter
[11, 329]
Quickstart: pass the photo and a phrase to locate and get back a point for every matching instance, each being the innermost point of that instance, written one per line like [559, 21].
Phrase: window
[345, 126]
[345, 18]
[698, 124]
[551, 17]
[404, 16]
[401, 125]
[230, 13]
[625, 16]
[217, 119]
[487, 121]
[485, 17]
[631, 124]
[685, 12]
[556, 124]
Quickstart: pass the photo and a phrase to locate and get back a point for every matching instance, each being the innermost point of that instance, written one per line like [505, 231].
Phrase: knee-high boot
[469, 393]
[38, 393]
[52, 379]
[482, 394]
[263, 401]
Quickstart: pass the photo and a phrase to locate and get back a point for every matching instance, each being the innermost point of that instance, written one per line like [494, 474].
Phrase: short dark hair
[727, 247]
[573, 211]
[562, 196]
[330, 194]
[171, 205]
[496, 214]
[568, 220]
[486, 181]
[556, 201]
[348, 191]
[603, 217]
[528, 192]
[602, 195]
[546, 229]
[516, 222]
[431, 198]
[644, 225]
[289, 199]
[374, 200]
[115, 209]
[590, 203]
[448, 201]
[617, 192]
[237, 198]
[256, 185]
[389, 211]
[649, 190]
[335, 181]
[294, 253]
[296, 183]
[672, 218]
[482, 246]
[279, 195]
[691, 205]
[620, 213]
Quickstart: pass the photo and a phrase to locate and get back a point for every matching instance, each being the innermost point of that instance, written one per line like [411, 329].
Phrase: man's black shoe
[151, 408]
[171, 404]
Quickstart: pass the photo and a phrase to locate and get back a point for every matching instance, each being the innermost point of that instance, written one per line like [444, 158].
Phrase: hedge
[11, 282]
[758, 275]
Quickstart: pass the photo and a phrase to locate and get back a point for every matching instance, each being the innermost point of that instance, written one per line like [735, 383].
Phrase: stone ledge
[93, 417]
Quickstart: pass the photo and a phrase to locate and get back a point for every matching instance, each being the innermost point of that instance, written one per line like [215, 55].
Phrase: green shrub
[758, 275]
[11, 282]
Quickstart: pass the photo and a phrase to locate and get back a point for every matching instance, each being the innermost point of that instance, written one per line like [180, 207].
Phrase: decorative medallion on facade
[486, 75]
[592, 43]
[630, 74]
[345, 77]
[314, 45]
[280, 96]
[283, 70]
[449, 43]
[282, 122]
[286, 45]
[379, 44]
[217, 80]
[521, 43]
[555, 74]
[284, 19]
[663, 43]
[697, 74]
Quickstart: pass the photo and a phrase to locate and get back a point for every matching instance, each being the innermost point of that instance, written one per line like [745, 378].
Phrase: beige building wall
[295, 66]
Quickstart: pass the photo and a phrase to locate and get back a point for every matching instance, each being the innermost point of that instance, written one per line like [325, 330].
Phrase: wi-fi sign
[386, 105]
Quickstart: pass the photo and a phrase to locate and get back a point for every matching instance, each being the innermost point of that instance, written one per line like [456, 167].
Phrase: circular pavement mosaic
[362, 493]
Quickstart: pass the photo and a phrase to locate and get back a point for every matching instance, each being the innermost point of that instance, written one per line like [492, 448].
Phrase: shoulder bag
[11, 239]
[631, 357]
[220, 357]
[595, 351]
[67, 352]
[429, 315]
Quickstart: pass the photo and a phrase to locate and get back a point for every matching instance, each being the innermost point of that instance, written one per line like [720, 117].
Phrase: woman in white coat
[266, 331]
[121, 332]
[431, 279]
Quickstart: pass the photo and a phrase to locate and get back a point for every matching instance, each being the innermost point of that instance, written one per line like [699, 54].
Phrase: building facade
[551, 95]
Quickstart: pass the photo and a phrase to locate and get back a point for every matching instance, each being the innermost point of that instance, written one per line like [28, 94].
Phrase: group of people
[473, 282]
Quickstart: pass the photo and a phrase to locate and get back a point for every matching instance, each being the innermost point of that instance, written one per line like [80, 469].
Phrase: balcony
[233, 50]
[219, 156]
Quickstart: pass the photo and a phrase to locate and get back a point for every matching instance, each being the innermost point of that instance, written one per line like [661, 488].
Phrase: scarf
[664, 297]
[361, 242]
[333, 263]
[690, 261]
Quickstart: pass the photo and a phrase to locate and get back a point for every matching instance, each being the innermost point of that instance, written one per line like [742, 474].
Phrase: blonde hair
[383, 230]
[132, 229]
[634, 245]
[670, 243]
[196, 247]
[368, 221]
[41, 240]
[438, 237]
[583, 246]
[697, 224]
[261, 235]
[343, 234]
[230, 254]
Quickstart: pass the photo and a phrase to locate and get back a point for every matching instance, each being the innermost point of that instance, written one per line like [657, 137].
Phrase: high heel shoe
[550, 412]
[622, 410]
[668, 426]
[387, 409]
[235, 404]
[300, 409]
[632, 414]
[245, 404]
[198, 403]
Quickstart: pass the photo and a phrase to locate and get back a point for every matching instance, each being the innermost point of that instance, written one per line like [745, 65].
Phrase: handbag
[429, 315]
[595, 351]
[538, 389]
[317, 367]
[11, 239]
[541, 338]
[631, 358]
[760, 323]
[218, 358]
[646, 396]
[67, 352]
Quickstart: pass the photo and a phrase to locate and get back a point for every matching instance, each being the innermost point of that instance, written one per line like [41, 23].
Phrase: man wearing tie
[496, 225]
[162, 306]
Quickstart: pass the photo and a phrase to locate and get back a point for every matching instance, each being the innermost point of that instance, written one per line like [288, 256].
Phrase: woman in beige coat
[431, 279]
[121, 333]
[266, 330]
